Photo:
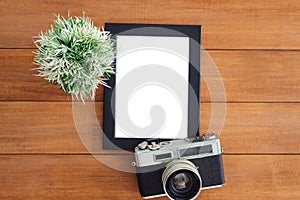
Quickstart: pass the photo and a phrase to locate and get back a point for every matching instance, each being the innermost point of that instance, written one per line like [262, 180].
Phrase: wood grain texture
[231, 24]
[18, 80]
[254, 44]
[45, 127]
[256, 76]
[83, 177]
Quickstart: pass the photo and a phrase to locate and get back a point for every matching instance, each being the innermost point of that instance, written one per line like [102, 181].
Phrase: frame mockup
[130, 34]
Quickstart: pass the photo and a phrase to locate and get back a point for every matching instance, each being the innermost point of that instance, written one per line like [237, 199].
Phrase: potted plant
[76, 55]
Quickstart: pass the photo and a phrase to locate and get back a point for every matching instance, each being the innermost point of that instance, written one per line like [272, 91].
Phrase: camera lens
[181, 180]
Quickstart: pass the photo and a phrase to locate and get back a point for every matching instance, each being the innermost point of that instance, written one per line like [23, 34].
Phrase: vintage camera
[179, 169]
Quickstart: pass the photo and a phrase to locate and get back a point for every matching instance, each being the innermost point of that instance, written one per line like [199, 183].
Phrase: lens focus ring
[181, 179]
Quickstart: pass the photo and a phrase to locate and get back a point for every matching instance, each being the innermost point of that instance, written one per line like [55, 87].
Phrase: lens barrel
[181, 180]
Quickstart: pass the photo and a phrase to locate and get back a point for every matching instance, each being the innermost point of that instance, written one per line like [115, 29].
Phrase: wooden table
[256, 46]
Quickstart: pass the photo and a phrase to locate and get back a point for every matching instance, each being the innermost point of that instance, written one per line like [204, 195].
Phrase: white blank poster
[155, 54]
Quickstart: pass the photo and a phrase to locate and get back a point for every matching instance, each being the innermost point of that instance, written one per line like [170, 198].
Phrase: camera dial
[165, 143]
[154, 146]
[209, 136]
[143, 145]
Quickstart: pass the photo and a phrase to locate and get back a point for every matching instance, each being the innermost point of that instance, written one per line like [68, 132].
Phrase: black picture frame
[194, 34]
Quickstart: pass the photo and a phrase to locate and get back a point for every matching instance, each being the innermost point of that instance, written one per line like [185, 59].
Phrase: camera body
[179, 169]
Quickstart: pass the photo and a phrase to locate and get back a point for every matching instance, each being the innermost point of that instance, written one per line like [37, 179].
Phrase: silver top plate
[177, 149]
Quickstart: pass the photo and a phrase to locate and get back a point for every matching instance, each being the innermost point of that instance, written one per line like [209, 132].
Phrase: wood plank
[248, 76]
[45, 127]
[83, 177]
[19, 83]
[257, 76]
[232, 24]
[256, 127]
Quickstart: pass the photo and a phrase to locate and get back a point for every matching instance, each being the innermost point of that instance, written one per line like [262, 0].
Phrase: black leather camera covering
[210, 169]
